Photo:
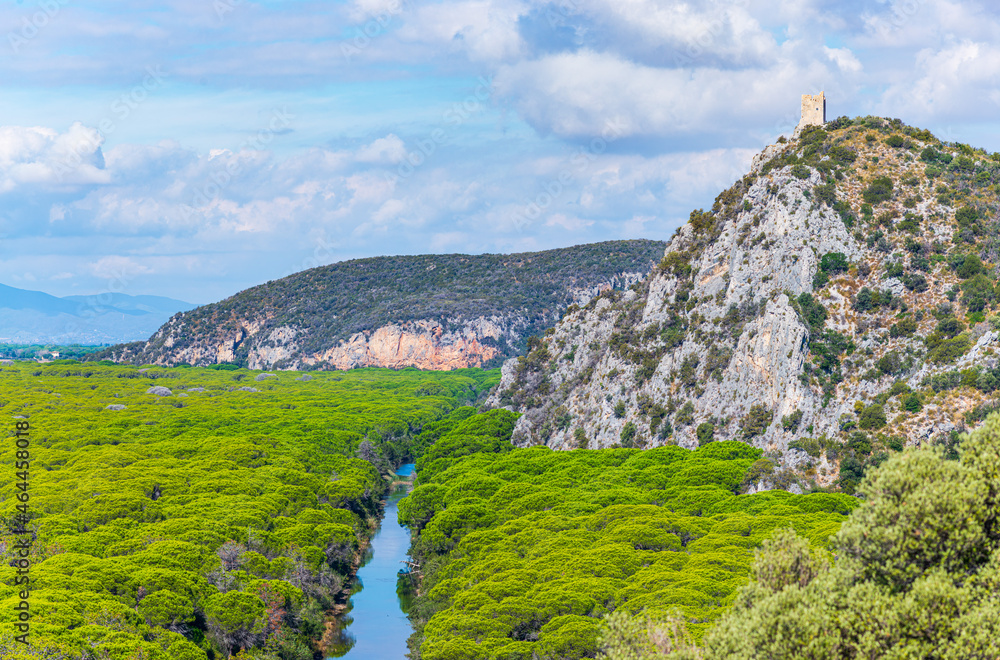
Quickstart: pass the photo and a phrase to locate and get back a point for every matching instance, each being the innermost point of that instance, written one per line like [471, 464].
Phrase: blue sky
[193, 148]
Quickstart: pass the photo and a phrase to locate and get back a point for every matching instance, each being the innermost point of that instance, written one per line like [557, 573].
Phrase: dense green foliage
[330, 303]
[217, 518]
[917, 573]
[524, 550]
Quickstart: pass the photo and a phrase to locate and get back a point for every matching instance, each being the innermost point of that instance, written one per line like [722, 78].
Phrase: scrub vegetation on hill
[329, 304]
[871, 245]
[185, 514]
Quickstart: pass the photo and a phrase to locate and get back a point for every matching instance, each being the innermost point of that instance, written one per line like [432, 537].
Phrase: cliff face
[431, 312]
[822, 302]
[421, 344]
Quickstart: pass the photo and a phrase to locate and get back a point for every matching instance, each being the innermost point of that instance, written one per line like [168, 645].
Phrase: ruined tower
[813, 110]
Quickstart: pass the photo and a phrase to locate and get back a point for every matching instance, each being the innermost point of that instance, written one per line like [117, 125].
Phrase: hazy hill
[33, 317]
[834, 304]
[430, 311]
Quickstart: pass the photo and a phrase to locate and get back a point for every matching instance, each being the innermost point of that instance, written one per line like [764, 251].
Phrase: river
[374, 626]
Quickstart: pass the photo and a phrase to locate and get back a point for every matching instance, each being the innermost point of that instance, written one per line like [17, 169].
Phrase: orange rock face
[422, 344]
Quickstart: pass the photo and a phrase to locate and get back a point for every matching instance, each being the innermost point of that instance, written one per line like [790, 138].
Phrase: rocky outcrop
[763, 362]
[430, 311]
[745, 331]
[425, 344]
[422, 344]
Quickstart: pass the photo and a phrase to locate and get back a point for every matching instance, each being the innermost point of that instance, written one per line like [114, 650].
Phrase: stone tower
[813, 110]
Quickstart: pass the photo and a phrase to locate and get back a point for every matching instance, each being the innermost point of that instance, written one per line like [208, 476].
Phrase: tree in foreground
[915, 573]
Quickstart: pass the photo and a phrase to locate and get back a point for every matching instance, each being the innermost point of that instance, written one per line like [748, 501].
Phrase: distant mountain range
[33, 317]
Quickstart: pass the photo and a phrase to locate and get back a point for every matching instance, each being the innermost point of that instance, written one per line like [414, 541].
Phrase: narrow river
[374, 625]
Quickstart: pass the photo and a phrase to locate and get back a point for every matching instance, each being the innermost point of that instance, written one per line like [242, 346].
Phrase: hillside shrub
[950, 350]
[791, 422]
[627, 435]
[756, 421]
[905, 327]
[923, 542]
[872, 417]
[705, 433]
[879, 190]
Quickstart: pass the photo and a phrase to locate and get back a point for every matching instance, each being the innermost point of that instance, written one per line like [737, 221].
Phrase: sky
[194, 148]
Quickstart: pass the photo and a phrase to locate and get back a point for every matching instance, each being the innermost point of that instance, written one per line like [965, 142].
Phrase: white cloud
[389, 149]
[32, 157]
[482, 30]
[844, 59]
[380, 10]
[682, 33]
[577, 94]
[959, 80]
[118, 268]
[569, 223]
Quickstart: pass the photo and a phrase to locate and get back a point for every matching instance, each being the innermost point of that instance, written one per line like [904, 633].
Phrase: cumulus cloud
[844, 59]
[481, 30]
[960, 79]
[37, 157]
[702, 33]
[582, 93]
[681, 94]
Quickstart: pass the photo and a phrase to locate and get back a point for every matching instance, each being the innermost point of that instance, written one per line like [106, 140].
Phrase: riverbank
[369, 623]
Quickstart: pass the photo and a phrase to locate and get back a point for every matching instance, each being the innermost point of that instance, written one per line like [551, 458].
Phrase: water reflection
[373, 625]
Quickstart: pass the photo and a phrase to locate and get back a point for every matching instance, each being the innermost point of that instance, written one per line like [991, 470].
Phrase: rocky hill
[832, 306]
[429, 311]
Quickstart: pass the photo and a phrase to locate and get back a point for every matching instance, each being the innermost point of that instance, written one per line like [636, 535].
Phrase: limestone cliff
[832, 304]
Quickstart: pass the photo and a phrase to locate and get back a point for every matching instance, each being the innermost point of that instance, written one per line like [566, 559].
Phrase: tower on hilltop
[813, 110]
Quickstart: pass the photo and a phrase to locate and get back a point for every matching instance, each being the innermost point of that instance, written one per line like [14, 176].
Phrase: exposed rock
[115, 406]
[721, 332]
[767, 357]
[431, 311]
